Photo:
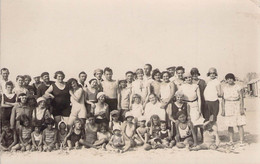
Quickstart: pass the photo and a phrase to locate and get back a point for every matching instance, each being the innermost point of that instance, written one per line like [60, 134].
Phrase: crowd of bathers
[149, 108]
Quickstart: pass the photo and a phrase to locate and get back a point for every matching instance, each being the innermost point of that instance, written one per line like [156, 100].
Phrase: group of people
[148, 108]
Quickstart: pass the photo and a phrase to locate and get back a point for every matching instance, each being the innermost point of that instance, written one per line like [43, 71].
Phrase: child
[37, 137]
[75, 138]
[185, 132]
[137, 108]
[103, 136]
[114, 121]
[128, 131]
[25, 133]
[91, 129]
[165, 135]
[142, 131]
[8, 137]
[62, 135]
[117, 141]
[49, 135]
[124, 97]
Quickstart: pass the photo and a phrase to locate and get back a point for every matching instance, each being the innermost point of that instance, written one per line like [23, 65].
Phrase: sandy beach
[247, 154]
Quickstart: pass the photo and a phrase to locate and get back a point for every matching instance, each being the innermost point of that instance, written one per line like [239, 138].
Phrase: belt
[191, 101]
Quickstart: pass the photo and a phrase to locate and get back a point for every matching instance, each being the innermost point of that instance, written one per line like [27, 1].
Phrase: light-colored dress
[190, 95]
[137, 111]
[78, 108]
[232, 106]
[140, 87]
[154, 109]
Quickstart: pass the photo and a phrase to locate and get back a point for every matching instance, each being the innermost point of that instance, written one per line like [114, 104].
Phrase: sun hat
[128, 114]
[100, 94]
[40, 99]
[114, 112]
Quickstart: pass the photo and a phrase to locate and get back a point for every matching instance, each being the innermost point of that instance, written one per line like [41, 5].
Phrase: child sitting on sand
[137, 107]
[116, 142]
[37, 136]
[25, 133]
[142, 131]
[185, 135]
[8, 137]
[114, 121]
[103, 136]
[166, 136]
[62, 135]
[75, 137]
[49, 135]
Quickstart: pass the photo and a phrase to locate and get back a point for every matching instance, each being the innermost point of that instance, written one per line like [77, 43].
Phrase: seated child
[75, 138]
[185, 134]
[137, 107]
[49, 135]
[114, 121]
[103, 136]
[91, 129]
[61, 136]
[166, 136]
[37, 136]
[116, 142]
[25, 133]
[142, 131]
[8, 137]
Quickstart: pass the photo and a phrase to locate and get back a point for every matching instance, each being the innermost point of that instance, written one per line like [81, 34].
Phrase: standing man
[129, 75]
[4, 79]
[148, 74]
[110, 88]
[45, 84]
[171, 70]
[98, 75]
[82, 79]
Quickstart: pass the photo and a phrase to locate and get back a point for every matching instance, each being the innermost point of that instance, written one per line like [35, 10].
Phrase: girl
[233, 108]
[91, 95]
[49, 135]
[114, 122]
[20, 109]
[61, 135]
[41, 113]
[167, 91]
[101, 111]
[8, 101]
[156, 83]
[25, 133]
[36, 136]
[8, 138]
[165, 135]
[137, 108]
[77, 100]
[19, 88]
[124, 94]
[142, 130]
[192, 97]
[139, 86]
[103, 136]
[185, 136]
[116, 142]
[75, 137]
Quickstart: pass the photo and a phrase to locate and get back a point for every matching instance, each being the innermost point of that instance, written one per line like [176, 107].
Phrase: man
[110, 88]
[171, 70]
[148, 74]
[37, 83]
[45, 84]
[98, 75]
[129, 75]
[4, 79]
[82, 79]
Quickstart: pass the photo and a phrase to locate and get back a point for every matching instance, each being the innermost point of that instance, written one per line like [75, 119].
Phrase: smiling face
[9, 88]
[46, 78]
[20, 81]
[5, 74]
[140, 75]
[108, 75]
[129, 77]
[147, 70]
[195, 76]
[60, 78]
[179, 98]
[74, 84]
[137, 100]
[182, 118]
[93, 84]
[123, 84]
[82, 77]
[230, 81]
[23, 99]
[27, 81]
[78, 125]
[179, 74]
[102, 98]
[42, 104]
[188, 79]
[163, 126]
[166, 77]
[98, 75]
[157, 77]
[152, 99]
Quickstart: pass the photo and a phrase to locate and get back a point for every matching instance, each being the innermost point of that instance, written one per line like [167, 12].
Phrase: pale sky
[51, 35]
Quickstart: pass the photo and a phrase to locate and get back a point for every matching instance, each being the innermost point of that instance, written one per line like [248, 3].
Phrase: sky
[82, 35]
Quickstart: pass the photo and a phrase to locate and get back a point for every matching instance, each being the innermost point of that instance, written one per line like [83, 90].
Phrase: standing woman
[19, 88]
[178, 80]
[202, 85]
[78, 102]
[91, 95]
[155, 84]
[233, 108]
[19, 109]
[101, 111]
[59, 92]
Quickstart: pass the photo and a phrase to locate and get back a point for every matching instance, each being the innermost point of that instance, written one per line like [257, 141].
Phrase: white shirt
[151, 109]
[2, 86]
[210, 92]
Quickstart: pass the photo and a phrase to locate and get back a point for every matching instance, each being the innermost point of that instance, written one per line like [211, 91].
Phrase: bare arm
[15, 140]
[76, 97]
[199, 98]
[43, 138]
[20, 136]
[241, 99]
[138, 133]
[12, 118]
[48, 92]
[55, 138]
[177, 137]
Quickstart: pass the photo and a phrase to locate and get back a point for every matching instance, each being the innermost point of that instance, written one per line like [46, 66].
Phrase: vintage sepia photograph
[129, 81]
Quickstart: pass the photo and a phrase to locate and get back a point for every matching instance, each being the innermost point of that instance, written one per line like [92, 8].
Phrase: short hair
[164, 73]
[37, 123]
[163, 122]
[129, 72]
[82, 72]
[230, 76]
[153, 95]
[23, 118]
[21, 94]
[49, 121]
[136, 96]
[9, 83]
[179, 68]
[123, 80]
[77, 120]
[107, 69]
[44, 73]
[4, 69]
[19, 76]
[149, 65]
[57, 73]
[139, 70]
[155, 72]
[90, 81]
[28, 77]
[69, 82]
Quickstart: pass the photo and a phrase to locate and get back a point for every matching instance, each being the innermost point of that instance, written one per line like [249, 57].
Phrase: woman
[178, 80]
[19, 88]
[101, 110]
[202, 85]
[154, 107]
[41, 113]
[155, 85]
[233, 108]
[21, 108]
[91, 94]
[167, 90]
[59, 92]
[78, 102]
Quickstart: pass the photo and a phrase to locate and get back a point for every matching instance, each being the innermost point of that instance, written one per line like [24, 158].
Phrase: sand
[247, 154]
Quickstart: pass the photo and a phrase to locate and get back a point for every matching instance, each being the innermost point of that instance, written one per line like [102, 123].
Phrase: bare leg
[57, 119]
[231, 134]
[241, 133]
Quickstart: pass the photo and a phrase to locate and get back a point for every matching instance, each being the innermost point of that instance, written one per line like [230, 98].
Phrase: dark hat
[194, 71]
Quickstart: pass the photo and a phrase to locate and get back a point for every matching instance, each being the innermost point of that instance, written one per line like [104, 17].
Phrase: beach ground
[247, 154]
